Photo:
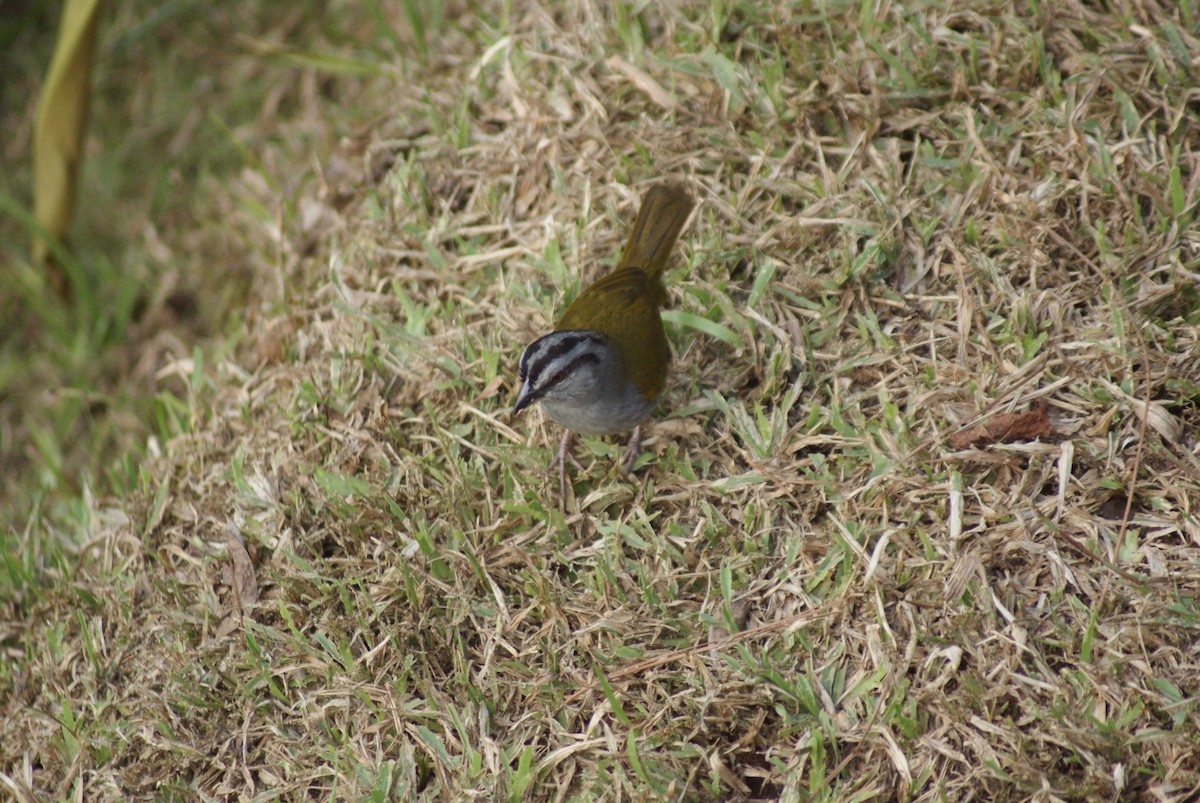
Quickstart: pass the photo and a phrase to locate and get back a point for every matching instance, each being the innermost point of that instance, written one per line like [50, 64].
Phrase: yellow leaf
[61, 117]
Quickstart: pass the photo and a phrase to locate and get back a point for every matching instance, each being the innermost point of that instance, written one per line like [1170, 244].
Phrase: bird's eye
[560, 376]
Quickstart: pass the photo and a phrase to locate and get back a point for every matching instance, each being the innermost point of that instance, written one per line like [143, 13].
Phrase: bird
[603, 368]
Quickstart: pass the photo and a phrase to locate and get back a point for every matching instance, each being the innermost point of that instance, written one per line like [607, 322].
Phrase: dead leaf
[1157, 416]
[228, 626]
[245, 584]
[1005, 428]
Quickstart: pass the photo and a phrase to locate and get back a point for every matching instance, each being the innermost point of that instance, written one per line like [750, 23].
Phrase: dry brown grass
[910, 222]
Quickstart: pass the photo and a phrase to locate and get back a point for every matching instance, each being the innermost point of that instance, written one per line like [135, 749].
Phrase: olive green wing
[621, 294]
[623, 306]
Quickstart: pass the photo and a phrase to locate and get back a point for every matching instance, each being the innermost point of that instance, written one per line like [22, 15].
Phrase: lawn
[269, 530]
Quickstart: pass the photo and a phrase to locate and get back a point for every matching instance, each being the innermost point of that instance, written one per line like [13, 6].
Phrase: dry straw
[913, 219]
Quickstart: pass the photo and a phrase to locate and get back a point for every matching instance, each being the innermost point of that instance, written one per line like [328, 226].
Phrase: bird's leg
[631, 451]
[560, 459]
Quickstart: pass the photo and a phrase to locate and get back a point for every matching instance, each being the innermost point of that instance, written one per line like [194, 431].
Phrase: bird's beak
[523, 399]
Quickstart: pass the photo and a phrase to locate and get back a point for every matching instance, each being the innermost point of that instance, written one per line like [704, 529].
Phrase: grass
[912, 219]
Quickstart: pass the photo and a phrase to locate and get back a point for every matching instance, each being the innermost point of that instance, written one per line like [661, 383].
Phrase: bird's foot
[560, 460]
[632, 450]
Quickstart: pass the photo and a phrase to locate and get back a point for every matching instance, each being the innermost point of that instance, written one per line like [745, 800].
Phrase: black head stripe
[556, 344]
[558, 352]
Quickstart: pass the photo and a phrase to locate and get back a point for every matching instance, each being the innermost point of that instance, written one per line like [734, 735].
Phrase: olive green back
[623, 306]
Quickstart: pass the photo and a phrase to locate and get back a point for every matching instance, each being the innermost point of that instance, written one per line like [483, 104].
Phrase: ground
[274, 532]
